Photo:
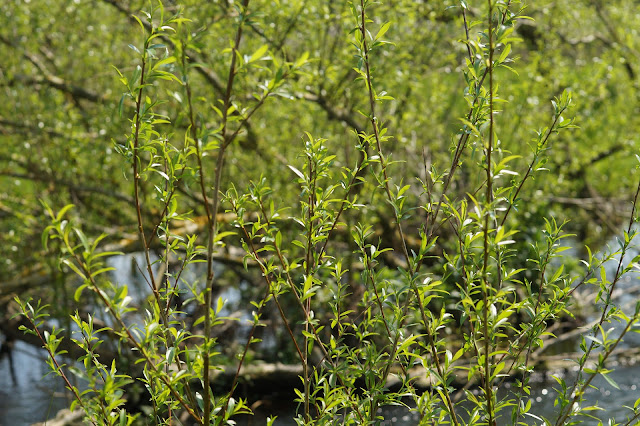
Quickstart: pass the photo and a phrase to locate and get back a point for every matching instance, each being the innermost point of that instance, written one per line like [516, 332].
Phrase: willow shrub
[463, 308]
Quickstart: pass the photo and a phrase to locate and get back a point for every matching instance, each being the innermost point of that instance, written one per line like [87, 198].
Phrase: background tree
[248, 97]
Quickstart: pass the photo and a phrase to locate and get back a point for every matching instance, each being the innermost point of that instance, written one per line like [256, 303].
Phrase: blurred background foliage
[60, 122]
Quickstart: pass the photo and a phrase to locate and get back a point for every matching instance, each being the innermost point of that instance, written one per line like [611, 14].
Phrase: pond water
[543, 395]
[36, 396]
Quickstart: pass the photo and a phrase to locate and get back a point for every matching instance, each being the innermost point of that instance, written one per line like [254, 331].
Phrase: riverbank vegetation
[378, 195]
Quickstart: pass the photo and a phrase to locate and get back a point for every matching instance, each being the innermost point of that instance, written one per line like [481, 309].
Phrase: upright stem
[136, 175]
[52, 356]
[489, 196]
[213, 222]
[308, 269]
[136, 190]
[413, 266]
[194, 137]
[430, 224]
[565, 413]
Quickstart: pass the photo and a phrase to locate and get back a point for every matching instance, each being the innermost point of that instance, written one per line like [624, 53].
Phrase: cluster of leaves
[369, 272]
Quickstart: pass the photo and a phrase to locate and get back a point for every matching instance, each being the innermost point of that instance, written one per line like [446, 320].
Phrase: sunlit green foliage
[387, 177]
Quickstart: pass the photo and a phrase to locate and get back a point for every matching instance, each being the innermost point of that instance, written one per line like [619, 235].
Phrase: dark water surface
[36, 396]
[33, 397]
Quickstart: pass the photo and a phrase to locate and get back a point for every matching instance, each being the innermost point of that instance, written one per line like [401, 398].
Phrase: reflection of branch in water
[6, 349]
[566, 361]
[64, 417]
[39, 356]
[588, 300]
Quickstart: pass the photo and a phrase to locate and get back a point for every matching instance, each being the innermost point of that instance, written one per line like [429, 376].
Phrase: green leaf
[505, 53]
[139, 22]
[135, 49]
[383, 30]
[165, 61]
[258, 54]
[74, 268]
[296, 171]
[610, 381]
[302, 60]
[78, 292]
[222, 235]
[219, 305]
[63, 211]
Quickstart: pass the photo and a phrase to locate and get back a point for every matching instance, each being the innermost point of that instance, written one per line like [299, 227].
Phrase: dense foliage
[384, 184]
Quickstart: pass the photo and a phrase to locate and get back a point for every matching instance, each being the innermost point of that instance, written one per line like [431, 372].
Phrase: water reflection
[34, 397]
[611, 400]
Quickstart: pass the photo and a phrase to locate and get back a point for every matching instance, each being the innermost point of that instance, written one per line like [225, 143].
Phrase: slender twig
[385, 184]
[136, 173]
[90, 278]
[213, 223]
[524, 179]
[306, 313]
[265, 273]
[71, 388]
[488, 389]
[431, 222]
[529, 343]
[565, 413]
